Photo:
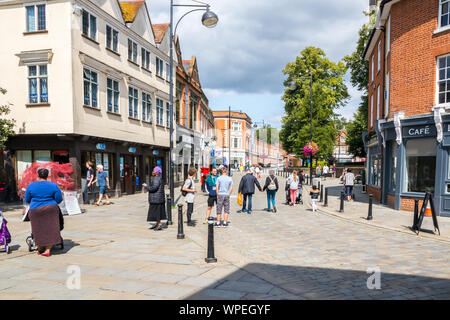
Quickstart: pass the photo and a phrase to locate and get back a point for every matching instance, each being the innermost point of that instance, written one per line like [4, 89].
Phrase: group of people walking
[102, 181]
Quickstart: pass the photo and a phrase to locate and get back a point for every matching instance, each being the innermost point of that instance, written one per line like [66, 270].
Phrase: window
[237, 143]
[167, 114]
[133, 99]
[235, 126]
[193, 111]
[379, 57]
[159, 111]
[393, 166]
[387, 96]
[375, 170]
[147, 107]
[34, 24]
[90, 88]
[177, 103]
[112, 38]
[37, 84]
[145, 57]
[159, 67]
[420, 165]
[167, 72]
[444, 79]
[444, 13]
[112, 92]
[132, 50]
[89, 25]
[371, 111]
[388, 36]
[371, 69]
[378, 102]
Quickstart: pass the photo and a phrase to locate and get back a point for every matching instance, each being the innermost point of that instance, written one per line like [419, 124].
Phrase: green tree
[329, 94]
[359, 78]
[6, 126]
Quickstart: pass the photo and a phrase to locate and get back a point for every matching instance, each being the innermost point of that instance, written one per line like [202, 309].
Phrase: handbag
[239, 199]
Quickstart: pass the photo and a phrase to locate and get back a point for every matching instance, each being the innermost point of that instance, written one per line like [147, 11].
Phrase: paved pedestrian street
[291, 254]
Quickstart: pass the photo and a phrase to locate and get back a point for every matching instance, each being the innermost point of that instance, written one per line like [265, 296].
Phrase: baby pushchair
[299, 198]
[5, 236]
[30, 239]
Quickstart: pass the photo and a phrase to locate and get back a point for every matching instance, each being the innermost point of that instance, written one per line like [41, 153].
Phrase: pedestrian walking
[224, 187]
[334, 170]
[258, 172]
[325, 170]
[189, 189]
[271, 186]
[349, 180]
[90, 177]
[44, 213]
[247, 188]
[318, 170]
[314, 193]
[293, 181]
[156, 200]
[102, 181]
[212, 193]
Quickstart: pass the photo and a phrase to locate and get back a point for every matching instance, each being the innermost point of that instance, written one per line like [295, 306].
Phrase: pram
[298, 199]
[5, 236]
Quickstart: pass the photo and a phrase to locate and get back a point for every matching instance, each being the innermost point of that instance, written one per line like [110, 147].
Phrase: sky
[240, 61]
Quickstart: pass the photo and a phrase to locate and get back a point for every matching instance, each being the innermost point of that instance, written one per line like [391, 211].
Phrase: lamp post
[292, 87]
[209, 20]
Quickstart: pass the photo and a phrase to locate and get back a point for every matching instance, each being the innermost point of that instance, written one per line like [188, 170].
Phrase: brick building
[409, 99]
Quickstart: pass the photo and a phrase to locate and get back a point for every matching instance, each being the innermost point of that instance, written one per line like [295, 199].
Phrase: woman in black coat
[156, 199]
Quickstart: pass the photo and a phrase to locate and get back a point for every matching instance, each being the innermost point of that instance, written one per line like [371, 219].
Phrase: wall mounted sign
[132, 149]
[155, 152]
[101, 146]
[419, 131]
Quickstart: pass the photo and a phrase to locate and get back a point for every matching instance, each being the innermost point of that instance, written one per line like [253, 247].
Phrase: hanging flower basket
[310, 148]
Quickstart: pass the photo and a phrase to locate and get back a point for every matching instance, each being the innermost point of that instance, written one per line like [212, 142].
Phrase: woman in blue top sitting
[44, 197]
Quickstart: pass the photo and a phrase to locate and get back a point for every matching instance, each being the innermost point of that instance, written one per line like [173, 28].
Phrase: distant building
[341, 149]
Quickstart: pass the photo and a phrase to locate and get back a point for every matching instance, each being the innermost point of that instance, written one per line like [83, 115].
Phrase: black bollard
[169, 210]
[341, 208]
[318, 184]
[210, 258]
[180, 234]
[369, 215]
[416, 214]
[321, 194]
[325, 204]
[353, 196]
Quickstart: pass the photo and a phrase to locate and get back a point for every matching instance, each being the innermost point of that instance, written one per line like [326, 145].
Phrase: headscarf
[157, 170]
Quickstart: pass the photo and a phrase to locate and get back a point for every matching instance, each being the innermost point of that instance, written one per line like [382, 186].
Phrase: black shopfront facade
[416, 160]
[128, 164]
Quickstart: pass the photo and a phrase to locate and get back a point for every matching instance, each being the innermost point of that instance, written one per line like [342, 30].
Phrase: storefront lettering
[419, 132]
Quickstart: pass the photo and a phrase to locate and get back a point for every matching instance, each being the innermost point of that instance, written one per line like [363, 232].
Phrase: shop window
[375, 170]
[24, 159]
[420, 165]
[393, 167]
[42, 156]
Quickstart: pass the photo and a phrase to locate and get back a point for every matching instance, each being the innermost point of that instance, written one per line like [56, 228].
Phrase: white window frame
[132, 58]
[442, 2]
[371, 70]
[239, 126]
[36, 17]
[112, 38]
[388, 36]
[159, 112]
[146, 57]
[378, 102]
[90, 87]
[113, 91]
[379, 56]
[447, 104]
[147, 116]
[135, 107]
[371, 111]
[387, 95]
[159, 67]
[89, 26]
[38, 87]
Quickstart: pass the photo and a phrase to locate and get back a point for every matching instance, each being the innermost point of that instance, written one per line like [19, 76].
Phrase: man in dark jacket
[247, 188]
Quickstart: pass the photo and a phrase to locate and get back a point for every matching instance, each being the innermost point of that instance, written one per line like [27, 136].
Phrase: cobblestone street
[292, 254]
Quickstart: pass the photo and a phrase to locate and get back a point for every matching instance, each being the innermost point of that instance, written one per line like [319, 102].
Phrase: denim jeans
[244, 203]
[271, 198]
[86, 193]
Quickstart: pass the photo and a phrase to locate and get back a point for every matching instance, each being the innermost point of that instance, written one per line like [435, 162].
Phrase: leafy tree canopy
[6, 125]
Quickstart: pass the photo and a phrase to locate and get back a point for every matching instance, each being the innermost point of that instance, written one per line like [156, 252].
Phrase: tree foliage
[6, 125]
[329, 94]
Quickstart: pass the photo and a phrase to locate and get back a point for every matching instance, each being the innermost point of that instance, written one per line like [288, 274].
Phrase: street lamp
[293, 87]
[209, 20]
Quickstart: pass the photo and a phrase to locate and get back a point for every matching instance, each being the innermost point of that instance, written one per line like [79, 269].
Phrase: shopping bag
[239, 199]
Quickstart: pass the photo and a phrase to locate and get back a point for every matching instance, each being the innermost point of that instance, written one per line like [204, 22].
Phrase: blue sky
[241, 60]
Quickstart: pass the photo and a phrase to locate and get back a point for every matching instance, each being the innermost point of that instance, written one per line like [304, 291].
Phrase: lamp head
[292, 86]
[209, 19]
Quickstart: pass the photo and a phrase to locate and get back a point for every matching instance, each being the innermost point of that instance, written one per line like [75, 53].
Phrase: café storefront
[415, 161]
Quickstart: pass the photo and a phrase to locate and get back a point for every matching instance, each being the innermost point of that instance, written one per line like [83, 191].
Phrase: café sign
[419, 131]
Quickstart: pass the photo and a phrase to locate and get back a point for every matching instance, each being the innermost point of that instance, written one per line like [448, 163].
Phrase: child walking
[314, 197]
[189, 188]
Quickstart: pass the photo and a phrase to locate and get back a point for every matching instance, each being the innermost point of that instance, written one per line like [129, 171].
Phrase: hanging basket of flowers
[310, 149]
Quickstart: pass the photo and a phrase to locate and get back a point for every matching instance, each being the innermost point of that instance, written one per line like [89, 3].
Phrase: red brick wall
[414, 49]
[407, 203]
[378, 77]
[391, 200]
[376, 193]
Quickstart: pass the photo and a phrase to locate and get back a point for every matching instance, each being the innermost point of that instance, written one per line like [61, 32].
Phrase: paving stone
[128, 286]
[246, 286]
[169, 292]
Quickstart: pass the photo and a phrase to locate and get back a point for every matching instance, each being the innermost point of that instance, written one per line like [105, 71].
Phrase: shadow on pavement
[292, 282]
[335, 191]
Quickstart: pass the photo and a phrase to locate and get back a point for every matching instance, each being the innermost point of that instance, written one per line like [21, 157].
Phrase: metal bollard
[353, 196]
[325, 204]
[318, 184]
[341, 208]
[180, 234]
[169, 210]
[210, 258]
[321, 194]
[416, 214]
[369, 215]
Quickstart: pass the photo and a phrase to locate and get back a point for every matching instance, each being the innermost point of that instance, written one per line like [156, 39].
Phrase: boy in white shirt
[189, 188]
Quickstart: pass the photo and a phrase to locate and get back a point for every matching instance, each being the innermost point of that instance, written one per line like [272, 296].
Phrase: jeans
[190, 210]
[271, 198]
[86, 193]
[244, 203]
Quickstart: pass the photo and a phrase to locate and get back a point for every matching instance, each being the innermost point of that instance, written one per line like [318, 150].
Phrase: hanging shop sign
[101, 146]
[155, 152]
[132, 149]
[419, 131]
